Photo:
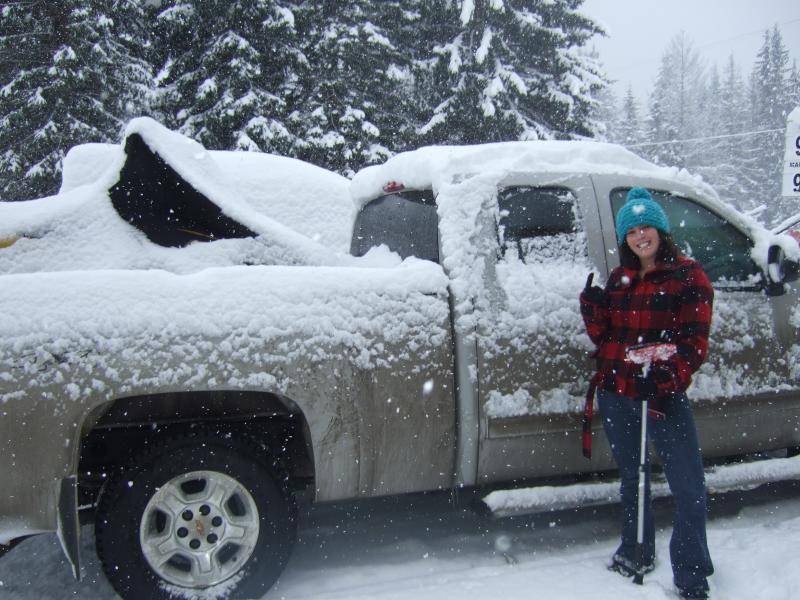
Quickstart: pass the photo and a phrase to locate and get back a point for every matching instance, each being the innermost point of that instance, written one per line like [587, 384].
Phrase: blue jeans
[675, 441]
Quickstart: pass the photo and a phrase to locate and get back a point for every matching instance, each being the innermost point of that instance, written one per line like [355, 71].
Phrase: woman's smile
[644, 242]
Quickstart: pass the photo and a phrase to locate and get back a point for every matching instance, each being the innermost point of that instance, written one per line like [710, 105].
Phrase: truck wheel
[196, 513]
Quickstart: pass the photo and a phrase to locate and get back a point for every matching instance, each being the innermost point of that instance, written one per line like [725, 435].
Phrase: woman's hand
[593, 294]
[653, 385]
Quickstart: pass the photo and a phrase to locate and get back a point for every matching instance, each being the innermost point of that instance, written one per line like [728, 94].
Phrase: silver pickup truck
[179, 367]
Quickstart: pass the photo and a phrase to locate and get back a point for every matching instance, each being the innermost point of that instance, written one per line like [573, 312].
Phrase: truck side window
[405, 221]
[541, 224]
[723, 250]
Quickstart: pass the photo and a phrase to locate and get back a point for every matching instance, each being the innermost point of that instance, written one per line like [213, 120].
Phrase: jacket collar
[662, 272]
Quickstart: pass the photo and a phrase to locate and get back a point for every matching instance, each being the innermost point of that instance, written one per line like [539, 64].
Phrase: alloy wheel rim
[199, 529]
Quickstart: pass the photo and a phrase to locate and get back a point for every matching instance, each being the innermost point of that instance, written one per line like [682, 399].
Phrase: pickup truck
[181, 375]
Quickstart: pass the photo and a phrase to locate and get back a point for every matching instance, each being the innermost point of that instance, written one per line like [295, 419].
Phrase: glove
[592, 293]
[647, 387]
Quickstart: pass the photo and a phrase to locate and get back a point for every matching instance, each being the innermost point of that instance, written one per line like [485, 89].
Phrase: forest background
[347, 84]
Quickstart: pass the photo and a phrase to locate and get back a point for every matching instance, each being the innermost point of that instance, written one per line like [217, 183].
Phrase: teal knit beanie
[640, 209]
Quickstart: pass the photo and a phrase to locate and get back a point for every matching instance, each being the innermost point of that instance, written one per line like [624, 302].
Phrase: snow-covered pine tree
[492, 70]
[72, 80]
[228, 68]
[675, 103]
[355, 85]
[128, 47]
[629, 130]
[735, 172]
[707, 152]
[606, 114]
[768, 103]
[661, 131]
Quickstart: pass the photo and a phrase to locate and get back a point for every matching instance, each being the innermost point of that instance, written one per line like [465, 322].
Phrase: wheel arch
[119, 427]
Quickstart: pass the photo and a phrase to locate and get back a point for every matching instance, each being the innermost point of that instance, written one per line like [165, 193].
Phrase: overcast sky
[639, 31]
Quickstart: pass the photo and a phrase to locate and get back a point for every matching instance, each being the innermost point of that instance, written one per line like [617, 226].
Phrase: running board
[742, 476]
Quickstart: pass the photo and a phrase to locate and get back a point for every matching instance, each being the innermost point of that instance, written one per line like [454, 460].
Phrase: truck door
[532, 349]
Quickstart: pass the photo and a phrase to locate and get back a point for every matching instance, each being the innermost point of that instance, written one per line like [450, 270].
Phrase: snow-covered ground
[427, 548]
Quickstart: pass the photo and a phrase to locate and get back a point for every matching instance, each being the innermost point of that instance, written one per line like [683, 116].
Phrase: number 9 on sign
[797, 145]
[796, 182]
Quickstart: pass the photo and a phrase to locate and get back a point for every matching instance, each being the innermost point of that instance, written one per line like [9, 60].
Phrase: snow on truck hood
[433, 166]
[299, 213]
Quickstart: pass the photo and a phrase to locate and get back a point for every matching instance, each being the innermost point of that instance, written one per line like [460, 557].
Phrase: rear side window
[541, 224]
[406, 222]
[723, 250]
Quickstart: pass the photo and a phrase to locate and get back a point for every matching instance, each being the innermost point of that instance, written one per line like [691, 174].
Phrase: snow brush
[644, 355]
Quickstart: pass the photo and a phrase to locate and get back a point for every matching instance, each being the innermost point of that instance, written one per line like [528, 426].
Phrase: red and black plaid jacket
[671, 304]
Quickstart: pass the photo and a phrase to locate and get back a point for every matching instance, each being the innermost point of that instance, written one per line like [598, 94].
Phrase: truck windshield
[405, 221]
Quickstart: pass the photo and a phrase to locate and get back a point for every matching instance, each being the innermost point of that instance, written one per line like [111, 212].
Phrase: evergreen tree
[707, 147]
[768, 96]
[661, 133]
[630, 128]
[491, 70]
[351, 109]
[675, 104]
[342, 84]
[606, 114]
[129, 47]
[736, 174]
[73, 80]
[229, 67]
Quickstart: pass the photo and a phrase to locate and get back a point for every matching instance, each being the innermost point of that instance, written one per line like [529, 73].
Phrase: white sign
[791, 161]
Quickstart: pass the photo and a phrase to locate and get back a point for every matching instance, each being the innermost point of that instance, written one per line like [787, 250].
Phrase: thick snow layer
[80, 230]
[303, 214]
[101, 330]
[433, 166]
[86, 163]
[302, 196]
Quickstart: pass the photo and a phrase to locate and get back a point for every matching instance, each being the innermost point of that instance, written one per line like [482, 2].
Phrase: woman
[655, 295]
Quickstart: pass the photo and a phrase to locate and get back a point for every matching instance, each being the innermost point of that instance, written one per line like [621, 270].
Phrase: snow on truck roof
[432, 166]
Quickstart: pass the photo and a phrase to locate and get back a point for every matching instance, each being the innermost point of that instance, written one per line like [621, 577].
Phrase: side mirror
[780, 270]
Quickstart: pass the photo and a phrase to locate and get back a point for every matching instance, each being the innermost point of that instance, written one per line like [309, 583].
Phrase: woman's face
[643, 241]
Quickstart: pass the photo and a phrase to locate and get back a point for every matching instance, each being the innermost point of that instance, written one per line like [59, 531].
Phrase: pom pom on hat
[640, 209]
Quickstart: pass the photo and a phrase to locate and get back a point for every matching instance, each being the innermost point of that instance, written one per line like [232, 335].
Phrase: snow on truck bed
[252, 319]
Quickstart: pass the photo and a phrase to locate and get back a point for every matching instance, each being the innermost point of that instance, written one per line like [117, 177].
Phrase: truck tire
[199, 514]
